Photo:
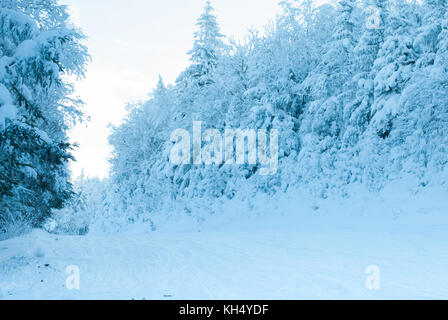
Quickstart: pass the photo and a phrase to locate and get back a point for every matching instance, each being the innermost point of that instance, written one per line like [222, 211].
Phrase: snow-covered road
[298, 261]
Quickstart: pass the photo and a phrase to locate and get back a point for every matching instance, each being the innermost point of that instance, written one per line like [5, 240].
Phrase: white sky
[131, 43]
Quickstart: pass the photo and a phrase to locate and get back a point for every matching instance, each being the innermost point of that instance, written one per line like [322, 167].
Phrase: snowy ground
[319, 257]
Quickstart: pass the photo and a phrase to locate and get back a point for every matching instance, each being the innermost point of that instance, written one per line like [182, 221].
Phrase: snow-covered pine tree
[344, 23]
[358, 114]
[426, 39]
[321, 122]
[394, 67]
[336, 61]
[368, 46]
[36, 51]
[326, 81]
[208, 45]
[442, 52]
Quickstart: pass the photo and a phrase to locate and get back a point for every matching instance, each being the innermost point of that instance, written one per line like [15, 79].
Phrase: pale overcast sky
[131, 43]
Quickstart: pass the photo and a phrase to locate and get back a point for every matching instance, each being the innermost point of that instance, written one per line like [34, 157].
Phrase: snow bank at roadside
[398, 200]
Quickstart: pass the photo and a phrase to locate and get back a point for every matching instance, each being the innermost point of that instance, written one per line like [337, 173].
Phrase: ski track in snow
[298, 262]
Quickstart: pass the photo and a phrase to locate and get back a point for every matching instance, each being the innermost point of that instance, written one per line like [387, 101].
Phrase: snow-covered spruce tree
[318, 85]
[368, 46]
[36, 51]
[325, 87]
[326, 81]
[426, 38]
[357, 114]
[442, 52]
[344, 25]
[208, 46]
[393, 67]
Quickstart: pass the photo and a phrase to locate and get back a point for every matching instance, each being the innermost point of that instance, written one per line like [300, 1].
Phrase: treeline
[358, 92]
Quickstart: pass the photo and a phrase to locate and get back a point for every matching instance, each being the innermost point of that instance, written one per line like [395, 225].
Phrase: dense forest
[358, 91]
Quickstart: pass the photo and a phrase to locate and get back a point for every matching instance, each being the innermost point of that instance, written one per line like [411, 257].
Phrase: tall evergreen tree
[367, 49]
[327, 80]
[393, 68]
[442, 53]
[344, 24]
[208, 44]
[36, 51]
[358, 113]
